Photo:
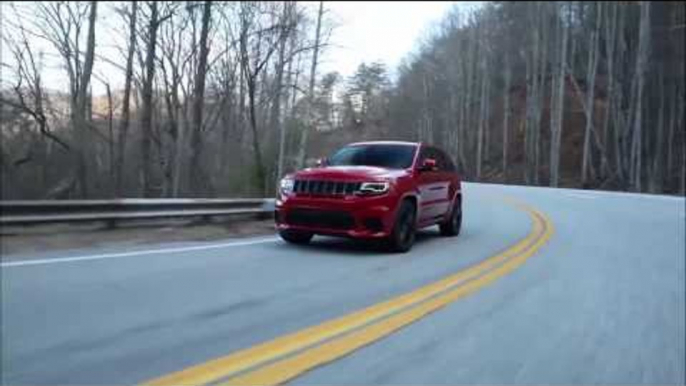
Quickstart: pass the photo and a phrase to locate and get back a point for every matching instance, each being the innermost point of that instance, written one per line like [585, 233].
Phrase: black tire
[403, 233]
[452, 226]
[296, 237]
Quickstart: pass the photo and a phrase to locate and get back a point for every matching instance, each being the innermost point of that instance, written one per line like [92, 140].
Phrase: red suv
[372, 190]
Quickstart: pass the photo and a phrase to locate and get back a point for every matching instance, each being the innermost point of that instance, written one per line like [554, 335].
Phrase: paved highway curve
[542, 286]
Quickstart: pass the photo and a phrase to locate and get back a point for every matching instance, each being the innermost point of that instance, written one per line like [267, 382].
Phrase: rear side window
[427, 152]
[443, 161]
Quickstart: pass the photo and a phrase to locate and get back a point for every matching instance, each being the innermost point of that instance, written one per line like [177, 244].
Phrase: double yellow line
[286, 357]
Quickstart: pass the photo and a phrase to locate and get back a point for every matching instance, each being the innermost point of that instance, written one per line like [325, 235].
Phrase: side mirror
[428, 165]
[321, 162]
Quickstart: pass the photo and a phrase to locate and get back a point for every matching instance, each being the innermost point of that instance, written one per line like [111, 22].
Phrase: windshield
[385, 156]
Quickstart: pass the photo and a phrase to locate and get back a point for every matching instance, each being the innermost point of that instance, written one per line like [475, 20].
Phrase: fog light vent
[373, 224]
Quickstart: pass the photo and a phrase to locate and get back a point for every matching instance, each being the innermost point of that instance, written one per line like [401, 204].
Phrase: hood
[350, 173]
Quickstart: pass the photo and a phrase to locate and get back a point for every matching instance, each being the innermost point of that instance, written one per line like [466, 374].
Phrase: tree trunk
[298, 70]
[289, 93]
[485, 115]
[556, 129]
[670, 136]
[620, 122]
[110, 139]
[641, 66]
[590, 97]
[460, 132]
[554, 86]
[470, 63]
[426, 129]
[533, 101]
[465, 145]
[126, 104]
[146, 108]
[540, 92]
[178, 154]
[198, 175]
[682, 118]
[250, 80]
[609, 38]
[241, 100]
[81, 121]
[302, 151]
[482, 115]
[173, 105]
[528, 117]
[506, 113]
[656, 175]
[257, 152]
[277, 123]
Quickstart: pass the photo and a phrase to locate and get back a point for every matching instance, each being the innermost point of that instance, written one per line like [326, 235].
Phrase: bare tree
[533, 87]
[254, 58]
[200, 180]
[302, 150]
[83, 100]
[506, 113]
[276, 120]
[110, 131]
[610, 38]
[175, 60]
[590, 96]
[146, 110]
[639, 84]
[29, 81]
[482, 114]
[28, 98]
[655, 179]
[147, 94]
[558, 109]
[61, 24]
[126, 103]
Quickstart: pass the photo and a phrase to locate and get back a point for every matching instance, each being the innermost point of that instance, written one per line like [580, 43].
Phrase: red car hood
[350, 173]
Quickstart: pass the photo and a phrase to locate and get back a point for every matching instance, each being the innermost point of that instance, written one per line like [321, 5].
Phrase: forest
[222, 99]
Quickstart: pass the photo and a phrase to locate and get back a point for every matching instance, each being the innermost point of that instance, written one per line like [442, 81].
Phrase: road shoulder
[62, 237]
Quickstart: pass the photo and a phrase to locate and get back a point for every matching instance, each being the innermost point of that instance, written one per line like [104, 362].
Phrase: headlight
[373, 188]
[286, 185]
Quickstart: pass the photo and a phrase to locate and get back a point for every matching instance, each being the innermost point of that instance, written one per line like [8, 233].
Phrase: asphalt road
[601, 301]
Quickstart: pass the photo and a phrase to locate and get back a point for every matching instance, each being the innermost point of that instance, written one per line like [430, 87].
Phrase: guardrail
[110, 211]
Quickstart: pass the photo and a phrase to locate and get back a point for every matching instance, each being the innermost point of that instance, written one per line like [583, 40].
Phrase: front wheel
[403, 234]
[296, 237]
[452, 226]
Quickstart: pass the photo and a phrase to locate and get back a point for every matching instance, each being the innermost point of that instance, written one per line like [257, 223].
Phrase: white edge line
[577, 195]
[132, 253]
[594, 192]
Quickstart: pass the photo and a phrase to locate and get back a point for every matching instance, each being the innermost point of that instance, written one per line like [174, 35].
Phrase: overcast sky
[365, 32]
[377, 31]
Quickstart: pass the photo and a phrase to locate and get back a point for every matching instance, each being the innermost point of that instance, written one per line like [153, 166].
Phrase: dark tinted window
[444, 161]
[427, 152]
[386, 156]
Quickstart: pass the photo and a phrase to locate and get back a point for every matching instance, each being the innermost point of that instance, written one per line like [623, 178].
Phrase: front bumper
[349, 216]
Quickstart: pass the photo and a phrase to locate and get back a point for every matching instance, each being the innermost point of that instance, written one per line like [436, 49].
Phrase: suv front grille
[320, 218]
[325, 188]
